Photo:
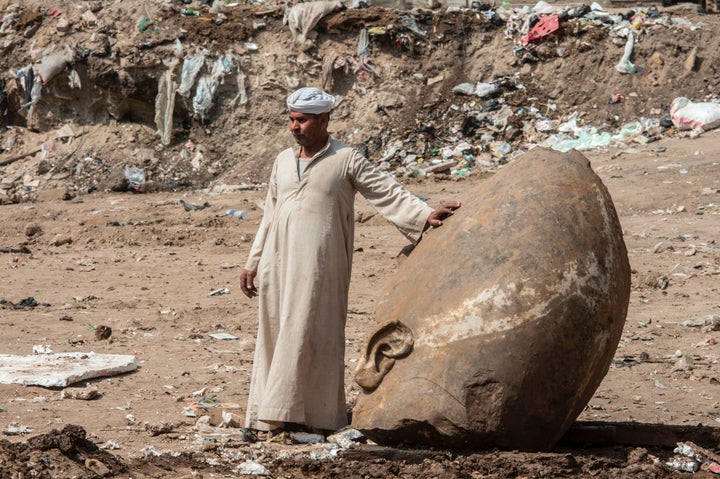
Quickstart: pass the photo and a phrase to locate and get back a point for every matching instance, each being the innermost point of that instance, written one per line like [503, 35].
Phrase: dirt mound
[66, 453]
[101, 110]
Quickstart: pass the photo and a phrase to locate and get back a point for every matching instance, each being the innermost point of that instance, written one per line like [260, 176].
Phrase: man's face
[308, 129]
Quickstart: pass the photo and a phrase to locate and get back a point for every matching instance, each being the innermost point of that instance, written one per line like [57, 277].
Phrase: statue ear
[389, 342]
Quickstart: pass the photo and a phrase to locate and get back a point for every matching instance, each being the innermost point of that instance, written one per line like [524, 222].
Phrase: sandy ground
[144, 267]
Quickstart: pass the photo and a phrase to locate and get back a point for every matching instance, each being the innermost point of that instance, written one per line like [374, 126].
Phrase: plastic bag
[625, 65]
[53, 64]
[165, 104]
[687, 115]
[191, 68]
[135, 177]
[480, 89]
[208, 85]
[302, 18]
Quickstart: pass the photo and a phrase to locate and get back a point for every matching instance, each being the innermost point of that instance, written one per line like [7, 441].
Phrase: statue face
[499, 327]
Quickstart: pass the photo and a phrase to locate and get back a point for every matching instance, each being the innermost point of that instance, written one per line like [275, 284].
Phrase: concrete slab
[61, 369]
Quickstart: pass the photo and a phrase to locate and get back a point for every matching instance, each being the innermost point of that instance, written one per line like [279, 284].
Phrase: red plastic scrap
[53, 12]
[544, 27]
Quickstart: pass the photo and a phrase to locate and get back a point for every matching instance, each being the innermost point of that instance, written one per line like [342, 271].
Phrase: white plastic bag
[208, 84]
[687, 115]
[191, 68]
[302, 18]
[54, 63]
[135, 176]
[625, 65]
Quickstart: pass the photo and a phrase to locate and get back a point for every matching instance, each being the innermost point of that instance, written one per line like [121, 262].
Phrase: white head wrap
[310, 100]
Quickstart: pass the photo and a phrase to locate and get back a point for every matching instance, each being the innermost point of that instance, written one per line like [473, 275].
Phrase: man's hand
[247, 283]
[435, 218]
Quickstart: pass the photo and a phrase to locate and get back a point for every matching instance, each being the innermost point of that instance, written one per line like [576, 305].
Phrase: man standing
[302, 258]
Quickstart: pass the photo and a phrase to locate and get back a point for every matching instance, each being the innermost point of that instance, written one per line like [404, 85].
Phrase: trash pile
[175, 95]
[489, 116]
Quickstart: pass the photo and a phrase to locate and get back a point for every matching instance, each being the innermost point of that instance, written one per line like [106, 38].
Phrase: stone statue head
[499, 327]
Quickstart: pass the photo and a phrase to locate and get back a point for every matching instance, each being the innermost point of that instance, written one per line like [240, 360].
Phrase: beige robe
[303, 255]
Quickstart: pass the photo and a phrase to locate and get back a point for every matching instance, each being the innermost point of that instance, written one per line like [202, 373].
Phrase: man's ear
[389, 342]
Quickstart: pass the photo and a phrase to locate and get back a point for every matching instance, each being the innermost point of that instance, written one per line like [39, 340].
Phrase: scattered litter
[684, 464]
[660, 385]
[54, 63]
[165, 103]
[306, 437]
[28, 302]
[150, 451]
[480, 89]
[110, 445]
[212, 412]
[41, 349]
[251, 468]
[545, 26]
[346, 437]
[222, 336]
[709, 323]
[135, 177]
[625, 65]
[193, 207]
[409, 22]
[208, 85]
[691, 458]
[301, 18]
[190, 69]
[16, 429]
[219, 292]
[242, 214]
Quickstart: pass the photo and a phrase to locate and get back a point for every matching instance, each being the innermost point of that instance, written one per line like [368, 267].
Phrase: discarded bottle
[190, 12]
[242, 214]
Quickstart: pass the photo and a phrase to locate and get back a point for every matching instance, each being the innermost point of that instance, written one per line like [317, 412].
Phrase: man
[302, 257]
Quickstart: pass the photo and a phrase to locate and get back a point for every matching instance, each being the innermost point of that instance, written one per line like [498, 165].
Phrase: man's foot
[255, 435]
[249, 435]
[286, 433]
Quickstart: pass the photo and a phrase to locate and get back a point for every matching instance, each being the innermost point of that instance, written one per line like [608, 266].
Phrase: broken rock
[83, 394]
[32, 229]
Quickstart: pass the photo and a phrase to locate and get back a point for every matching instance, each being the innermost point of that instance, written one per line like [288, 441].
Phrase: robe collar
[320, 153]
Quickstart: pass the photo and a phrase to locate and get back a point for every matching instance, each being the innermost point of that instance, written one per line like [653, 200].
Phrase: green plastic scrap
[144, 25]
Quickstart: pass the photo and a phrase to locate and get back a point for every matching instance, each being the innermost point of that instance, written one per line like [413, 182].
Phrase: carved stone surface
[500, 326]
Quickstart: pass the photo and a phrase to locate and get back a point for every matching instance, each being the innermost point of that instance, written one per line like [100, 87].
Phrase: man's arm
[247, 277]
[407, 212]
